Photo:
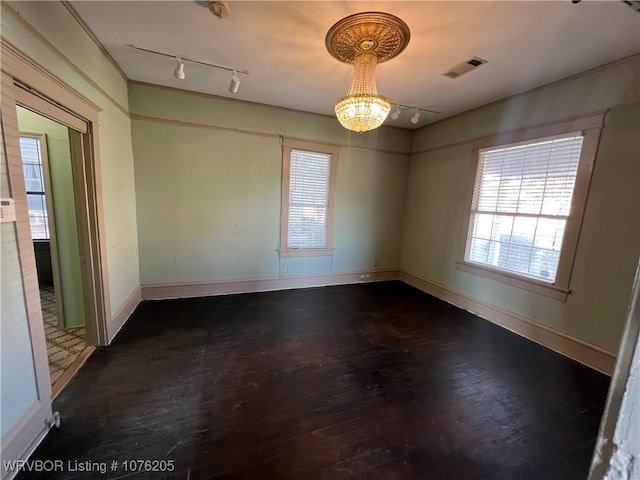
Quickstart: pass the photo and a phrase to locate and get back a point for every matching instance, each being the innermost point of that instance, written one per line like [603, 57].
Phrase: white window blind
[308, 199]
[34, 182]
[521, 201]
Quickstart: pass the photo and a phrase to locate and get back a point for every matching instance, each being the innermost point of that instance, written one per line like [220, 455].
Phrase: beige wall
[208, 189]
[609, 242]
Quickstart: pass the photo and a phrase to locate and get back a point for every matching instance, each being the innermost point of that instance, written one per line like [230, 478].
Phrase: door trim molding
[40, 90]
[25, 436]
[21, 66]
[28, 428]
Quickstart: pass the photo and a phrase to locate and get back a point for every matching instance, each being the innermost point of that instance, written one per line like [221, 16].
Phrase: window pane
[524, 229]
[34, 183]
[33, 178]
[482, 226]
[549, 234]
[32, 164]
[544, 263]
[478, 250]
[502, 227]
[307, 226]
[308, 199]
[521, 201]
[38, 218]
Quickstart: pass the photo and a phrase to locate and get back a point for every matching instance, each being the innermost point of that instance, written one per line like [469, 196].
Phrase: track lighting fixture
[396, 113]
[417, 112]
[235, 83]
[179, 71]
[416, 117]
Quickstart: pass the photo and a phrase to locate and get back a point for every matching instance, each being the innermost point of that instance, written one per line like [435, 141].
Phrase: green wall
[47, 33]
[53, 38]
[208, 189]
[609, 243]
[66, 226]
[208, 195]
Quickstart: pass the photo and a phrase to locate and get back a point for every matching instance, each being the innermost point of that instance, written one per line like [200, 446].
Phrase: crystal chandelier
[364, 40]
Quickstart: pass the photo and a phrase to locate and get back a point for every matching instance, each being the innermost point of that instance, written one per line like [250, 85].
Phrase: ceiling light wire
[244, 71]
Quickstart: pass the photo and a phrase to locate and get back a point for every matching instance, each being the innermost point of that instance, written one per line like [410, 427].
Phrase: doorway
[27, 415]
[48, 174]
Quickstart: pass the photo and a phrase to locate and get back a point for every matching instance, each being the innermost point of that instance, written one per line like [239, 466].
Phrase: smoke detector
[220, 8]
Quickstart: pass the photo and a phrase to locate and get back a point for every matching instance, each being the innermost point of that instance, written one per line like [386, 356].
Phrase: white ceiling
[527, 44]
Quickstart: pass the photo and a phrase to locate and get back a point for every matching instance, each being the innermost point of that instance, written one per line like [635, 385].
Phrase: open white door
[25, 390]
[25, 409]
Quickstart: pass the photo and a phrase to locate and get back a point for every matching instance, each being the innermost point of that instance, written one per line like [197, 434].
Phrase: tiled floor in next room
[63, 345]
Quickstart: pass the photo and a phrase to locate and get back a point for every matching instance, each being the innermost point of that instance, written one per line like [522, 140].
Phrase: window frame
[333, 151]
[590, 127]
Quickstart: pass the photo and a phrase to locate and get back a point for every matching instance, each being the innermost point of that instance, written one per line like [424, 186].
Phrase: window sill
[514, 280]
[306, 252]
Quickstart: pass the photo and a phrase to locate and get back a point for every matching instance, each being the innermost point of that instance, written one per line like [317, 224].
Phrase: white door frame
[39, 91]
[606, 449]
[27, 432]
[26, 83]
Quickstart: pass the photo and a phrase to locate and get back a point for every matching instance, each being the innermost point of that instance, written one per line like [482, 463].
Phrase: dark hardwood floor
[374, 381]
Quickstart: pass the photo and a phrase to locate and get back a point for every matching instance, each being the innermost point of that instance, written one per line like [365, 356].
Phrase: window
[308, 186]
[34, 178]
[526, 208]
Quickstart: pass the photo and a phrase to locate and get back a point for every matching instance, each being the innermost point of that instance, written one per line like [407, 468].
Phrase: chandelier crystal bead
[363, 109]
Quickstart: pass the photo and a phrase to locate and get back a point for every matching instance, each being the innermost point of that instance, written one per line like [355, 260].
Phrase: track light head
[179, 71]
[416, 117]
[235, 83]
[396, 113]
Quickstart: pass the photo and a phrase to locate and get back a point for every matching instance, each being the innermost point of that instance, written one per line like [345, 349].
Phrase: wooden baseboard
[205, 289]
[123, 314]
[553, 339]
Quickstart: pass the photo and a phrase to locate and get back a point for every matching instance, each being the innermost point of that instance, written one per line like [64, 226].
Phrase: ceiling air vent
[464, 67]
[633, 4]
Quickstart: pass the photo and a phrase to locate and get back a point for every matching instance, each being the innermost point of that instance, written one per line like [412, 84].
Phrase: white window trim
[332, 150]
[590, 127]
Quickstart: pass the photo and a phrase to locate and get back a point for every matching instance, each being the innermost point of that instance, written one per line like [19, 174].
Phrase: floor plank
[374, 381]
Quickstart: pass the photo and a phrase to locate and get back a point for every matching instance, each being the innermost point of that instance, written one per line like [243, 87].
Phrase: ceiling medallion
[364, 40]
